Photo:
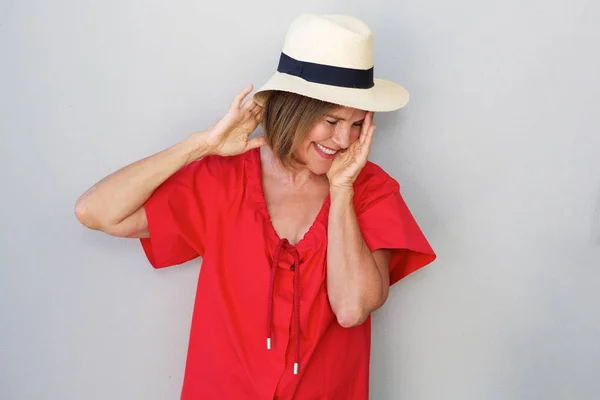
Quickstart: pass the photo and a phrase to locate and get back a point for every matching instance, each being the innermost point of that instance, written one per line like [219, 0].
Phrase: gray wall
[498, 154]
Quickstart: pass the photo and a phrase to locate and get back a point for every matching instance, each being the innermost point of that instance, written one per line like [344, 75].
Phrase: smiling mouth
[325, 151]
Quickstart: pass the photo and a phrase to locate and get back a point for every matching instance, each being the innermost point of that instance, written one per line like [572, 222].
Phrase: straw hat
[330, 58]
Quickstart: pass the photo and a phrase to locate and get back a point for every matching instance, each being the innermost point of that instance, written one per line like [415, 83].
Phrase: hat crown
[335, 40]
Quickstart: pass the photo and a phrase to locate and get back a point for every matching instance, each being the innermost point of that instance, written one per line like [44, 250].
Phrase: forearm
[125, 191]
[354, 282]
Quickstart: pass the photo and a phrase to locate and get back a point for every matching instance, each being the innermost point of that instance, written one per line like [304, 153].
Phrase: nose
[341, 136]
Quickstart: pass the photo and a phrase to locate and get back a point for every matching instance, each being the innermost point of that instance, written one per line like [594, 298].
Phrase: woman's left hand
[347, 164]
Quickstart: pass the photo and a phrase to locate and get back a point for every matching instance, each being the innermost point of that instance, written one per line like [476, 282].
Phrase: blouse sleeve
[179, 215]
[386, 223]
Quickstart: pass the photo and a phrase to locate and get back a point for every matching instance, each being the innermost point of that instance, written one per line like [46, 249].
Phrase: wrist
[340, 183]
[193, 148]
[341, 192]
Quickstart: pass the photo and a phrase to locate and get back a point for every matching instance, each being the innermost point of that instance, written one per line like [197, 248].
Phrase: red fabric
[215, 208]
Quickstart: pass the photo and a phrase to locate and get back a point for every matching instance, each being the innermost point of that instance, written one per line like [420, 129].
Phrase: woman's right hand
[115, 204]
[229, 135]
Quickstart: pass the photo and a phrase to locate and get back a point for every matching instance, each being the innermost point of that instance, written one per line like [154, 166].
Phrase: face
[336, 131]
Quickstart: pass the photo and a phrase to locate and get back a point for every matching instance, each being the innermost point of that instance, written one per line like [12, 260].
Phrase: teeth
[325, 149]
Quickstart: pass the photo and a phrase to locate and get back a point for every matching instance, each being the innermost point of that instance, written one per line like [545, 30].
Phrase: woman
[301, 237]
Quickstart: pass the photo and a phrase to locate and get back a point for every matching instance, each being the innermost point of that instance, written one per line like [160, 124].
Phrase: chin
[316, 164]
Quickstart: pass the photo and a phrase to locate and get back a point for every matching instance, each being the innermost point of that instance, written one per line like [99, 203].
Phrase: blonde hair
[288, 119]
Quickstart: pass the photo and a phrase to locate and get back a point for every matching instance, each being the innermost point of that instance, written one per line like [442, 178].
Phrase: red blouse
[253, 285]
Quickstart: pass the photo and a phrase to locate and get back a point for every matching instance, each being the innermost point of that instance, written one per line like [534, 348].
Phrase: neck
[271, 165]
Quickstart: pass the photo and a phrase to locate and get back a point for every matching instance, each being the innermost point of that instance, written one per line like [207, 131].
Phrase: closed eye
[358, 123]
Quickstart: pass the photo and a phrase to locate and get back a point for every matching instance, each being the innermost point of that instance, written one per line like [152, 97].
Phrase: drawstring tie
[283, 243]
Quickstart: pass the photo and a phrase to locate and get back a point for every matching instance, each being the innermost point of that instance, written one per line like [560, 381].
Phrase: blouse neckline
[316, 232]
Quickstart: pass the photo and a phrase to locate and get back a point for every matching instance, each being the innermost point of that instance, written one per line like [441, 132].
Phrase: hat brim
[383, 96]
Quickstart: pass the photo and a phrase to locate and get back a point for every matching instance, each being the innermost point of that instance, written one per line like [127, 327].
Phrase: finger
[365, 126]
[260, 115]
[364, 133]
[249, 105]
[368, 119]
[369, 139]
[256, 142]
[365, 140]
[256, 108]
[237, 101]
